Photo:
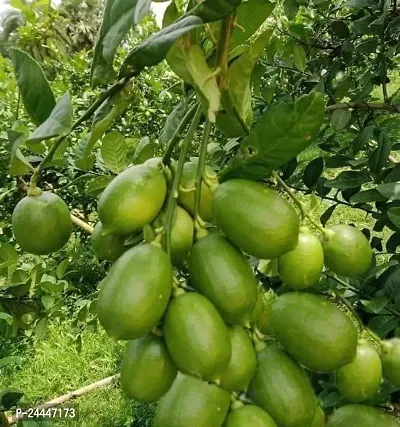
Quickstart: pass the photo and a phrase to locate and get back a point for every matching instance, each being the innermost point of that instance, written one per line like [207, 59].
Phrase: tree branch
[223, 50]
[13, 419]
[395, 108]
[82, 224]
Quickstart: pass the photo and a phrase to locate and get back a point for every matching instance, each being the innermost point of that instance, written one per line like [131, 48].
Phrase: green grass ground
[52, 367]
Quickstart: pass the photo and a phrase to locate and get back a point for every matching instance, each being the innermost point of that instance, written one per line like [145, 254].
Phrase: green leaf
[394, 216]
[363, 138]
[382, 325]
[204, 81]
[379, 157]
[41, 328]
[313, 172]
[340, 29]
[155, 48]
[111, 109]
[19, 164]
[34, 88]
[144, 151]
[9, 398]
[97, 185]
[372, 195]
[250, 15]
[348, 179]
[119, 17]
[326, 216]
[58, 123]
[340, 119]
[390, 191]
[8, 252]
[281, 134]
[291, 7]
[299, 57]
[173, 121]
[343, 87]
[113, 151]
[375, 305]
[240, 88]
[6, 317]
[62, 268]
[214, 10]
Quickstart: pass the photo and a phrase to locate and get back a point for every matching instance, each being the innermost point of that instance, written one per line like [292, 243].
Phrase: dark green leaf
[299, 57]
[34, 88]
[372, 195]
[41, 328]
[340, 119]
[394, 216]
[9, 398]
[382, 325]
[58, 123]
[394, 174]
[326, 216]
[173, 121]
[393, 243]
[343, 87]
[282, 133]
[155, 48]
[363, 138]
[291, 7]
[214, 10]
[321, 189]
[6, 317]
[97, 185]
[250, 15]
[375, 305]
[340, 29]
[113, 151]
[313, 172]
[19, 164]
[380, 155]
[144, 151]
[390, 191]
[119, 17]
[348, 179]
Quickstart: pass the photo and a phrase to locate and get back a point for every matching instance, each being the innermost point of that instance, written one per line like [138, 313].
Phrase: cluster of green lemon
[202, 352]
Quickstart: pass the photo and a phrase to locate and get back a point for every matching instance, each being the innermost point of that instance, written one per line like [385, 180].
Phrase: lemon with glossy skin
[360, 416]
[181, 235]
[135, 293]
[191, 402]
[249, 415]
[302, 267]
[314, 331]
[147, 369]
[197, 337]
[109, 247]
[41, 223]
[132, 199]
[391, 361]
[347, 251]
[255, 218]
[360, 379]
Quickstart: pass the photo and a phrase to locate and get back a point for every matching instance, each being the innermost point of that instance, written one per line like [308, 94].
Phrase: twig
[383, 55]
[223, 50]
[13, 419]
[352, 310]
[82, 224]
[200, 172]
[177, 135]
[366, 105]
[173, 195]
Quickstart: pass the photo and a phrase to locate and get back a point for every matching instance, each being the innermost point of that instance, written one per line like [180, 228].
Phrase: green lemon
[314, 331]
[197, 337]
[187, 191]
[132, 200]
[42, 223]
[243, 363]
[255, 218]
[181, 235]
[109, 247]
[302, 267]
[134, 295]
[319, 418]
[191, 402]
[282, 388]
[264, 320]
[391, 362]
[222, 273]
[249, 415]
[347, 252]
[360, 379]
[258, 309]
[360, 416]
[147, 370]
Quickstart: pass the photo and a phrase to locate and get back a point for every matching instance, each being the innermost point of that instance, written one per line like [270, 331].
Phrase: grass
[52, 367]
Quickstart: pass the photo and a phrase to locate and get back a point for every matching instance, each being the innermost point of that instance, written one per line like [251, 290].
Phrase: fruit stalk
[177, 135]
[173, 195]
[347, 303]
[299, 204]
[200, 173]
